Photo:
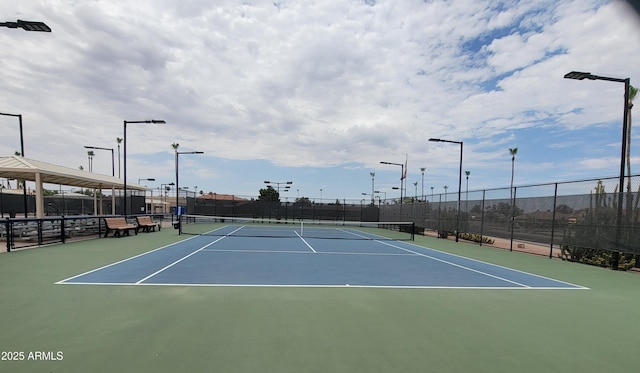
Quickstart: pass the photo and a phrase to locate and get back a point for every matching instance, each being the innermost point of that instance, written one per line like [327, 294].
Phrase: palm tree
[467, 198]
[118, 140]
[513, 152]
[90, 154]
[633, 92]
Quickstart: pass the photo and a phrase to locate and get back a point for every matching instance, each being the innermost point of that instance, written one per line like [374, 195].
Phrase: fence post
[9, 230]
[62, 230]
[553, 221]
[482, 217]
[513, 217]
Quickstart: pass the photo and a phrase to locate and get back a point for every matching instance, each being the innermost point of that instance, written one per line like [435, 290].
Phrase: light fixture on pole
[287, 185]
[124, 187]
[164, 188]
[145, 193]
[178, 188]
[577, 75]
[24, 185]
[459, 182]
[27, 25]
[113, 169]
[401, 177]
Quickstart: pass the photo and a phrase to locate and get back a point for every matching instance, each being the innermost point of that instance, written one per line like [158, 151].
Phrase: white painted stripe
[305, 242]
[185, 257]
[325, 286]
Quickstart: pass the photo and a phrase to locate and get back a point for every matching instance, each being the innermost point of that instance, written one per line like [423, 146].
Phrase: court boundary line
[124, 260]
[257, 251]
[474, 260]
[408, 287]
[519, 286]
[500, 266]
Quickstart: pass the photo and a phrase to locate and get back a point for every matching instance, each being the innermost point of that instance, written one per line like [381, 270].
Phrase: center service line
[185, 257]
[305, 242]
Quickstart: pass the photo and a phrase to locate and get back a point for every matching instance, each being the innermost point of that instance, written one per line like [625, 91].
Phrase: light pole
[124, 187]
[385, 194]
[24, 184]
[287, 185]
[422, 169]
[27, 25]
[145, 193]
[113, 169]
[178, 188]
[373, 174]
[163, 192]
[466, 203]
[459, 182]
[401, 176]
[626, 81]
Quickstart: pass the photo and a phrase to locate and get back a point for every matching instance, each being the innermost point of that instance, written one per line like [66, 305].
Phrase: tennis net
[282, 228]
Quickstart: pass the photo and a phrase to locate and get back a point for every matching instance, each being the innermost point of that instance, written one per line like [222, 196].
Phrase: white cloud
[314, 84]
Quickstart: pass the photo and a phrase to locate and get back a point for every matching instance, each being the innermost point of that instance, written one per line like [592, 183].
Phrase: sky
[320, 92]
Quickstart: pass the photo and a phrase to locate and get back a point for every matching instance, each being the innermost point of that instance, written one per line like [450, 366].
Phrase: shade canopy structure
[20, 168]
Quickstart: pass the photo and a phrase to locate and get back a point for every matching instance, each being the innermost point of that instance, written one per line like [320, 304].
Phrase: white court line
[325, 286]
[126, 260]
[479, 261]
[305, 242]
[452, 264]
[305, 252]
[185, 257]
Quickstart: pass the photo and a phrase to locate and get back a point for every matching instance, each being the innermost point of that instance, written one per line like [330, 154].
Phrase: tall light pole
[164, 188]
[422, 169]
[466, 203]
[113, 167]
[625, 115]
[27, 26]
[178, 188]
[145, 202]
[373, 175]
[124, 187]
[24, 184]
[401, 176]
[287, 185]
[459, 182]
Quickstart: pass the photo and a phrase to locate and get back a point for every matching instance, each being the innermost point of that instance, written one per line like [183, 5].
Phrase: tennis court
[222, 302]
[246, 253]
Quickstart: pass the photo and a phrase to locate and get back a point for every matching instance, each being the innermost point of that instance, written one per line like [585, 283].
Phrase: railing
[21, 233]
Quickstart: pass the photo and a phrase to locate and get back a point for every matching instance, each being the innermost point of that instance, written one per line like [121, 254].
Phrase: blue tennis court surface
[227, 260]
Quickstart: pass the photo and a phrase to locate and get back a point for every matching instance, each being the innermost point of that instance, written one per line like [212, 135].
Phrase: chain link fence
[587, 220]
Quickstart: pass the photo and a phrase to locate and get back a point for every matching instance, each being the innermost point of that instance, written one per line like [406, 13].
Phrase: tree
[118, 140]
[305, 201]
[269, 194]
[633, 92]
[90, 154]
